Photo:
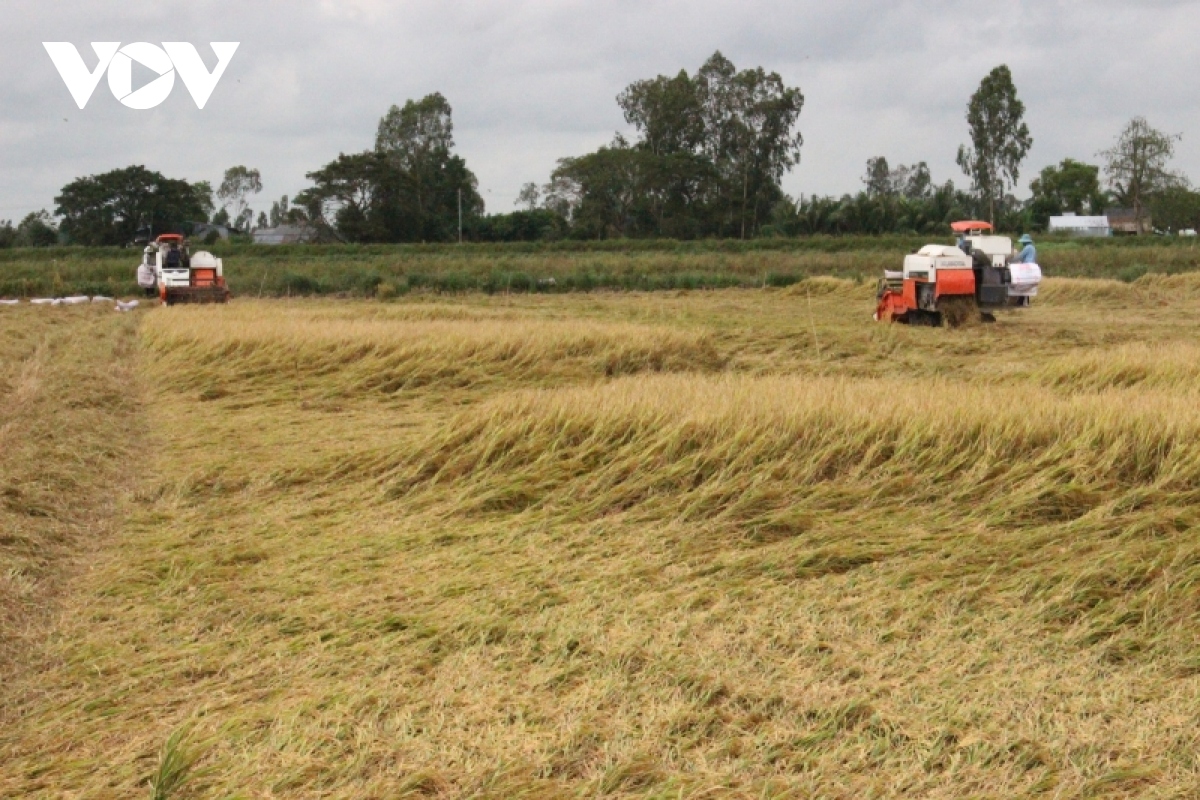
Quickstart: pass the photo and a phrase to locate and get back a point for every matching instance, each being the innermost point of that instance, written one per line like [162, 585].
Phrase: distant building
[285, 234]
[1077, 225]
[1125, 221]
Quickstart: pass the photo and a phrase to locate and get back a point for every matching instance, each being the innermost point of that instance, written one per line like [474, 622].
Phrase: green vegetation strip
[625, 265]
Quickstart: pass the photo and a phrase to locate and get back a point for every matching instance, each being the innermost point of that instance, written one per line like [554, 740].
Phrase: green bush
[1132, 272]
[782, 279]
[299, 284]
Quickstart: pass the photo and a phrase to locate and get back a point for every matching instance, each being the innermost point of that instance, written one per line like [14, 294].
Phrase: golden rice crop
[780, 552]
[248, 351]
[1172, 367]
[1152, 290]
[66, 419]
[755, 448]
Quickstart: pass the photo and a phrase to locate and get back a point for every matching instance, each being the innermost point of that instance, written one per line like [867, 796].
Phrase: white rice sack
[76, 300]
[101, 299]
[9, 302]
[1025, 280]
[45, 301]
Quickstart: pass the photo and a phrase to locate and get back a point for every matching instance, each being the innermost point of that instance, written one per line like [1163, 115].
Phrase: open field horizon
[737, 543]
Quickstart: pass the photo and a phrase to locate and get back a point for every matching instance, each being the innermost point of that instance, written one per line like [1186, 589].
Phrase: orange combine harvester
[955, 284]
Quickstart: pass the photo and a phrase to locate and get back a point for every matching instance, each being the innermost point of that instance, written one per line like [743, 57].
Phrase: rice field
[720, 544]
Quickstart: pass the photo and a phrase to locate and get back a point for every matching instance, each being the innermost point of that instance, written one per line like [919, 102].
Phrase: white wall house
[1080, 226]
[284, 234]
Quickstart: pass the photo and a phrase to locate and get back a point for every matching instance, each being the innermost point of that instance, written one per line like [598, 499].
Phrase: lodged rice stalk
[1174, 368]
[755, 450]
[605, 546]
[247, 352]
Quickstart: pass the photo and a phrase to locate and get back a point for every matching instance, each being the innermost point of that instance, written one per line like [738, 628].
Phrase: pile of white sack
[75, 300]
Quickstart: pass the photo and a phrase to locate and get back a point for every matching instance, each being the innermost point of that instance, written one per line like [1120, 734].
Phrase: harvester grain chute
[955, 284]
[184, 277]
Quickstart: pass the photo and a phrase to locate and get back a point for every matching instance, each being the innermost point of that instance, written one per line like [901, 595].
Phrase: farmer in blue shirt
[1027, 255]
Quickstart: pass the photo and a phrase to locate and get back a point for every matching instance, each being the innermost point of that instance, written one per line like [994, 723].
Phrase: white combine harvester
[183, 277]
[955, 284]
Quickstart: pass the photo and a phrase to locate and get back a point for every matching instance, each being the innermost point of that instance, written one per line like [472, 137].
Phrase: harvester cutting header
[179, 276]
[956, 284]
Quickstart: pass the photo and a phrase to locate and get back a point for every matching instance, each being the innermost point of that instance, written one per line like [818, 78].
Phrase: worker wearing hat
[1028, 255]
[146, 277]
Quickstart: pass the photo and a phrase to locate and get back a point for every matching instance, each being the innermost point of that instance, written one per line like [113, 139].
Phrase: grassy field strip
[624, 265]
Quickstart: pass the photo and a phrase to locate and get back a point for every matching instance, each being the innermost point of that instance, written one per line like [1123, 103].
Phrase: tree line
[707, 158]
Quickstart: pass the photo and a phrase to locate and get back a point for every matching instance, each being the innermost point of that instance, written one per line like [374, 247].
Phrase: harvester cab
[184, 277]
[957, 284]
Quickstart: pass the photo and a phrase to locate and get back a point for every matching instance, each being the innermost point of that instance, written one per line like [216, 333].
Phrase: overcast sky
[533, 81]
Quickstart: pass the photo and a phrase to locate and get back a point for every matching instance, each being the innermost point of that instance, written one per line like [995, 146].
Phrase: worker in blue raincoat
[1028, 255]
